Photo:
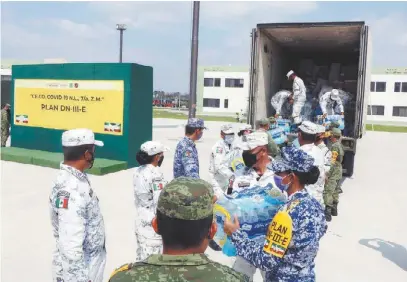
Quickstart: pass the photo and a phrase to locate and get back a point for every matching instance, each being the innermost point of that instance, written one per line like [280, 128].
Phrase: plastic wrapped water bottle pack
[255, 207]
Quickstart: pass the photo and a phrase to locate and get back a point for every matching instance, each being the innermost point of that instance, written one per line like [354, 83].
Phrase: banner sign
[65, 104]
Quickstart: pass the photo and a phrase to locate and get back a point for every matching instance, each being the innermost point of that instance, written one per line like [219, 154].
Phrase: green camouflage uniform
[333, 185]
[186, 199]
[5, 127]
[273, 148]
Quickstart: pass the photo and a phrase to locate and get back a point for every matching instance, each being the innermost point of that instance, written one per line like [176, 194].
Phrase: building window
[226, 103]
[397, 86]
[211, 103]
[375, 110]
[378, 86]
[404, 87]
[211, 82]
[234, 82]
[400, 111]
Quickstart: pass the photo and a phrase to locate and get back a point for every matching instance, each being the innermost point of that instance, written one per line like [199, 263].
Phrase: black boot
[328, 215]
[214, 246]
[334, 210]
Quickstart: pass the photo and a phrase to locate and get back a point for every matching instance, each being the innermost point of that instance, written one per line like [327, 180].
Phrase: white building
[222, 89]
[388, 96]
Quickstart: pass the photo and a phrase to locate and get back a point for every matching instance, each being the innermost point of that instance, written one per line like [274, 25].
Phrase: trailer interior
[281, 47]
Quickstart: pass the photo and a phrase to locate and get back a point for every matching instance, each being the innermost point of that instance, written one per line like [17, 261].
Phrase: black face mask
[92, 160]
[161, 160]
[249, 159]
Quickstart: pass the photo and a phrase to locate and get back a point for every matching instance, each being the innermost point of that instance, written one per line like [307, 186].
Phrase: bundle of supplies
[255, 208]
[278, 135]
[284, 124]
[329, 119]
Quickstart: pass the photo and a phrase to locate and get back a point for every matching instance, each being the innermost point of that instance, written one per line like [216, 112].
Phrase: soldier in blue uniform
[186, 161]
[292, 240]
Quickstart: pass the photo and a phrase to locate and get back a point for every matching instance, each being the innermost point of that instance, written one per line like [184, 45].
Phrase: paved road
[367, 242]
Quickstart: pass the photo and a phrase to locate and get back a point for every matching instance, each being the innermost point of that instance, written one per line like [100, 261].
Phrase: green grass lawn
[166, 114]
[386, 128]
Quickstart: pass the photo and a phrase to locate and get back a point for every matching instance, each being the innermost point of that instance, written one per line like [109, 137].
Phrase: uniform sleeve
[298, 88]
[220, 162]
[322, 103]
[190, 163]
[4, 119]
[253, 252]
[277, 102]
[340, 105]
[71, 217]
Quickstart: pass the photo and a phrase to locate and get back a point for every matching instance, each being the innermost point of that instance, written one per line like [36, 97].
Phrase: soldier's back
[196, 268]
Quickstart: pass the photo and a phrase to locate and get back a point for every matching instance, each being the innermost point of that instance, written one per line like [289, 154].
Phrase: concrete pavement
[367, 242]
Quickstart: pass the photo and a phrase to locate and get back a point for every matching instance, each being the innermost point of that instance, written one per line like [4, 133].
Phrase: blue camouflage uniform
[186, 161]
[292, 240]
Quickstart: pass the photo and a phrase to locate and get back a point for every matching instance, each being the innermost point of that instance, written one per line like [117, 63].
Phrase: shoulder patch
[62, 202]
[187, 154]
[63, 193]
[279, 235]
[120, 269]
[158, 186]
[219, 150]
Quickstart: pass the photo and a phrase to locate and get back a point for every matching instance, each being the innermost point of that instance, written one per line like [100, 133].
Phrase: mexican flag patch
[219, 150]
[158, 186]
[113, 127]
[61, 202]
[21, 119]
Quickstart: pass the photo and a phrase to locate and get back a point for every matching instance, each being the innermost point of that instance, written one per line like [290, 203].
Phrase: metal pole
[194, 61]
[121, 46]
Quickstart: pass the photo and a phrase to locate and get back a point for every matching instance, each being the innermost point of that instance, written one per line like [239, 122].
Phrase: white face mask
[229, 139]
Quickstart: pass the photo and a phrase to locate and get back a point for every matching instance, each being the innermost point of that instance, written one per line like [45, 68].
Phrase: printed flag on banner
[61, 202]
[21, 119]
[113, 127]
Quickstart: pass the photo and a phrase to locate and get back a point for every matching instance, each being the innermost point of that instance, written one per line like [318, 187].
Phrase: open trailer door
[253, 79]
[363, 82]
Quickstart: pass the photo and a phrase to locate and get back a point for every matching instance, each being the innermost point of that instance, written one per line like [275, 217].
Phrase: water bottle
[229, 249]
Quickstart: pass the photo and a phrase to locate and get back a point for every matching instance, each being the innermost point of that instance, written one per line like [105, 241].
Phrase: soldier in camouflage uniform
[333, 185]
[264, 125]
[5, 124]
[77, 222]
[185, 222]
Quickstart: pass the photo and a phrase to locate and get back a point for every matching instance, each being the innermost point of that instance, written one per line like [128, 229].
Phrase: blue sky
[159, 32]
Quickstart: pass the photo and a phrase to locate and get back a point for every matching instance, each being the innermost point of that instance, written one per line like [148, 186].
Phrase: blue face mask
[229, 139]
[279, 182]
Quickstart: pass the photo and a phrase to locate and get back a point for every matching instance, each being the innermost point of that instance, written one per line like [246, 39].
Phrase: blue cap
[196, 123]
[292, 159]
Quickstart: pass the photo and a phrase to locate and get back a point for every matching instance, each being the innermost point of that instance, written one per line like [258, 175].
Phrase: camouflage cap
[186, 198]
[334, 124]
[196, 123]
[336, 132]
[272, 119]
[263, 121]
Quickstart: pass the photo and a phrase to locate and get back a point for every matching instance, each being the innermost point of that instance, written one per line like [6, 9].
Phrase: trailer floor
[366, 242]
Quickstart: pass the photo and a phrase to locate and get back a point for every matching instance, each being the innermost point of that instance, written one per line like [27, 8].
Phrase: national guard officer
[256, 172]
[331, 103]
[77, 222]
[282, 103]
[299, 96]
[264, 125]
[5, 124]
[293, 236]
[185, 222]
[319, 142]
[186, 161]
[333, 185]
[307, 132]
[148, 182]
[219, 171]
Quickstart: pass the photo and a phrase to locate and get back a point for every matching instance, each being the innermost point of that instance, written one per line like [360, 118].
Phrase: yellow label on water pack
[218, 209]
[279, 234]
[67, 104]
